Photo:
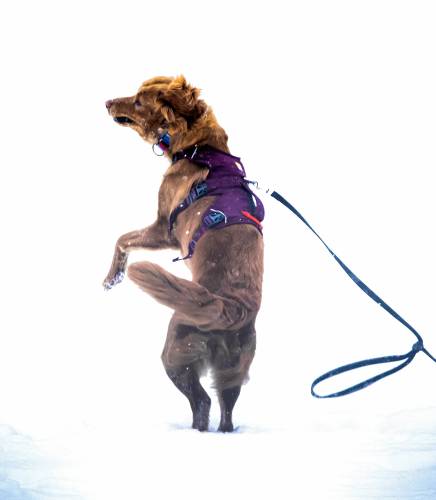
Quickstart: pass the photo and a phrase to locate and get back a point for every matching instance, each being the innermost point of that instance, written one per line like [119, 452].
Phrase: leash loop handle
[360, 364]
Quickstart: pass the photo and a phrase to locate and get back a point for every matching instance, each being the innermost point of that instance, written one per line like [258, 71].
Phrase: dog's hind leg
[232, 360]
[187, 381]
[227, 399]
[184, 357]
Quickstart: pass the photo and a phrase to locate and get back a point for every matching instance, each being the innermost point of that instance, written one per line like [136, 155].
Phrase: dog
[213, 325]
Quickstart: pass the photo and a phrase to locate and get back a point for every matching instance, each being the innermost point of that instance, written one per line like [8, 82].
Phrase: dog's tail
[196, 303]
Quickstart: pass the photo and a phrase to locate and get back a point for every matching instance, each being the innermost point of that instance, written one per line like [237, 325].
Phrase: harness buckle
[201, 189]
[197, 192]
[214, 218]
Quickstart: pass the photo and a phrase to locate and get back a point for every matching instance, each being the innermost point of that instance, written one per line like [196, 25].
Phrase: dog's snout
[109, 104]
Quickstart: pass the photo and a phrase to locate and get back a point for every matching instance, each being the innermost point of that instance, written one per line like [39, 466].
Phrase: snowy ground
[331, 103]
[337, 454]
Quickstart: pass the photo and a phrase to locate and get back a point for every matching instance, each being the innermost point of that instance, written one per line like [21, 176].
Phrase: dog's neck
[205, 131]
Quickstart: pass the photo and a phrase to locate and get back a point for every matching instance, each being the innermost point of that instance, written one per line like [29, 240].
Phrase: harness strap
[208, 187]
[234, 201]
[209, 221]
[214, 216]
[408, 357]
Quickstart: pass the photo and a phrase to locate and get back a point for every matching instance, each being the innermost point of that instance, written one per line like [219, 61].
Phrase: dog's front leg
[153, 237]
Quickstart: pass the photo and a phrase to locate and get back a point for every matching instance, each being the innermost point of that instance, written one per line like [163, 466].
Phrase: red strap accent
[163, 146]
[251, 217]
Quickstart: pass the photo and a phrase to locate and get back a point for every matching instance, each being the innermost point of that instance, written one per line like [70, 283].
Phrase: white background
[333, 104]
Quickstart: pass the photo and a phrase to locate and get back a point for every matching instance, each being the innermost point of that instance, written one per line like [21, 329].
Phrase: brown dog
[213, 323]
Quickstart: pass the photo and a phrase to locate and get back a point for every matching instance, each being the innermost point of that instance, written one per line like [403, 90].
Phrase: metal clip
[258, 187]
[154, 150]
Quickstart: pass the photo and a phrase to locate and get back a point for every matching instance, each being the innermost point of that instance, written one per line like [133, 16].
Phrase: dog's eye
[137, 104]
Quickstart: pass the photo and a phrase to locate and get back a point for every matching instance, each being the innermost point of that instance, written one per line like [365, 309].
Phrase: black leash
[407, 358]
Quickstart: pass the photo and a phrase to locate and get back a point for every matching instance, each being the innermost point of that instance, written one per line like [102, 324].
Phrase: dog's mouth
[123, 120]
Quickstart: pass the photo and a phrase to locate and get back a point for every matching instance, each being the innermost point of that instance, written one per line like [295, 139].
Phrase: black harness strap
[407, 358]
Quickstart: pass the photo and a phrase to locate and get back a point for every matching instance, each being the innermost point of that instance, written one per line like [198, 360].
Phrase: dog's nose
[109, 104]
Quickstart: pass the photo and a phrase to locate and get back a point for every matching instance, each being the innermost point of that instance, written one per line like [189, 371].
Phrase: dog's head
[161, 104]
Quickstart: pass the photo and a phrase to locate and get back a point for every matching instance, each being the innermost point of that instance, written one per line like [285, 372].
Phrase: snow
[336, 455]
[330, 103]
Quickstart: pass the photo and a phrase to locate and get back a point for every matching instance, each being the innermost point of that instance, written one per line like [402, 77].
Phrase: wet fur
[213, 326]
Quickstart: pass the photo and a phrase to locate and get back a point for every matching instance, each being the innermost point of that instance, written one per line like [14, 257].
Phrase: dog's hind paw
[109, 283]
[201, 415]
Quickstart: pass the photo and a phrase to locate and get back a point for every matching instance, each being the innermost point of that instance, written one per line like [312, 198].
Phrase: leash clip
[258, 187]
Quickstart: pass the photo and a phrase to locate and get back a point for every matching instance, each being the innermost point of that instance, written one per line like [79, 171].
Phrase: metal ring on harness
[154, 151]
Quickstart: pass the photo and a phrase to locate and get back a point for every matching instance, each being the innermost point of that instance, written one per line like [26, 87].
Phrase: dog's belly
[229, 262]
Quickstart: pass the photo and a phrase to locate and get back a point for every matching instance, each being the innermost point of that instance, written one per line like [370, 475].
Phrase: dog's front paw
[110, 282]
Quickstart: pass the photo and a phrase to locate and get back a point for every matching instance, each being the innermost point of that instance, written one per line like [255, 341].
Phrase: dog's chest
[177, 184]
[190, 220]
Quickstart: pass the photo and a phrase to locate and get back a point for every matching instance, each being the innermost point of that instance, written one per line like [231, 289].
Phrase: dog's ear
[180, 98]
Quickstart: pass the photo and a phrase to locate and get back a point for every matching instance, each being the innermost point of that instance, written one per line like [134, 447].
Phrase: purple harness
[235, 203]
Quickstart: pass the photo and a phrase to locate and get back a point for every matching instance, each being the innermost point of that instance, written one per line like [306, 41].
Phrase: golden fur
[213, 323]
